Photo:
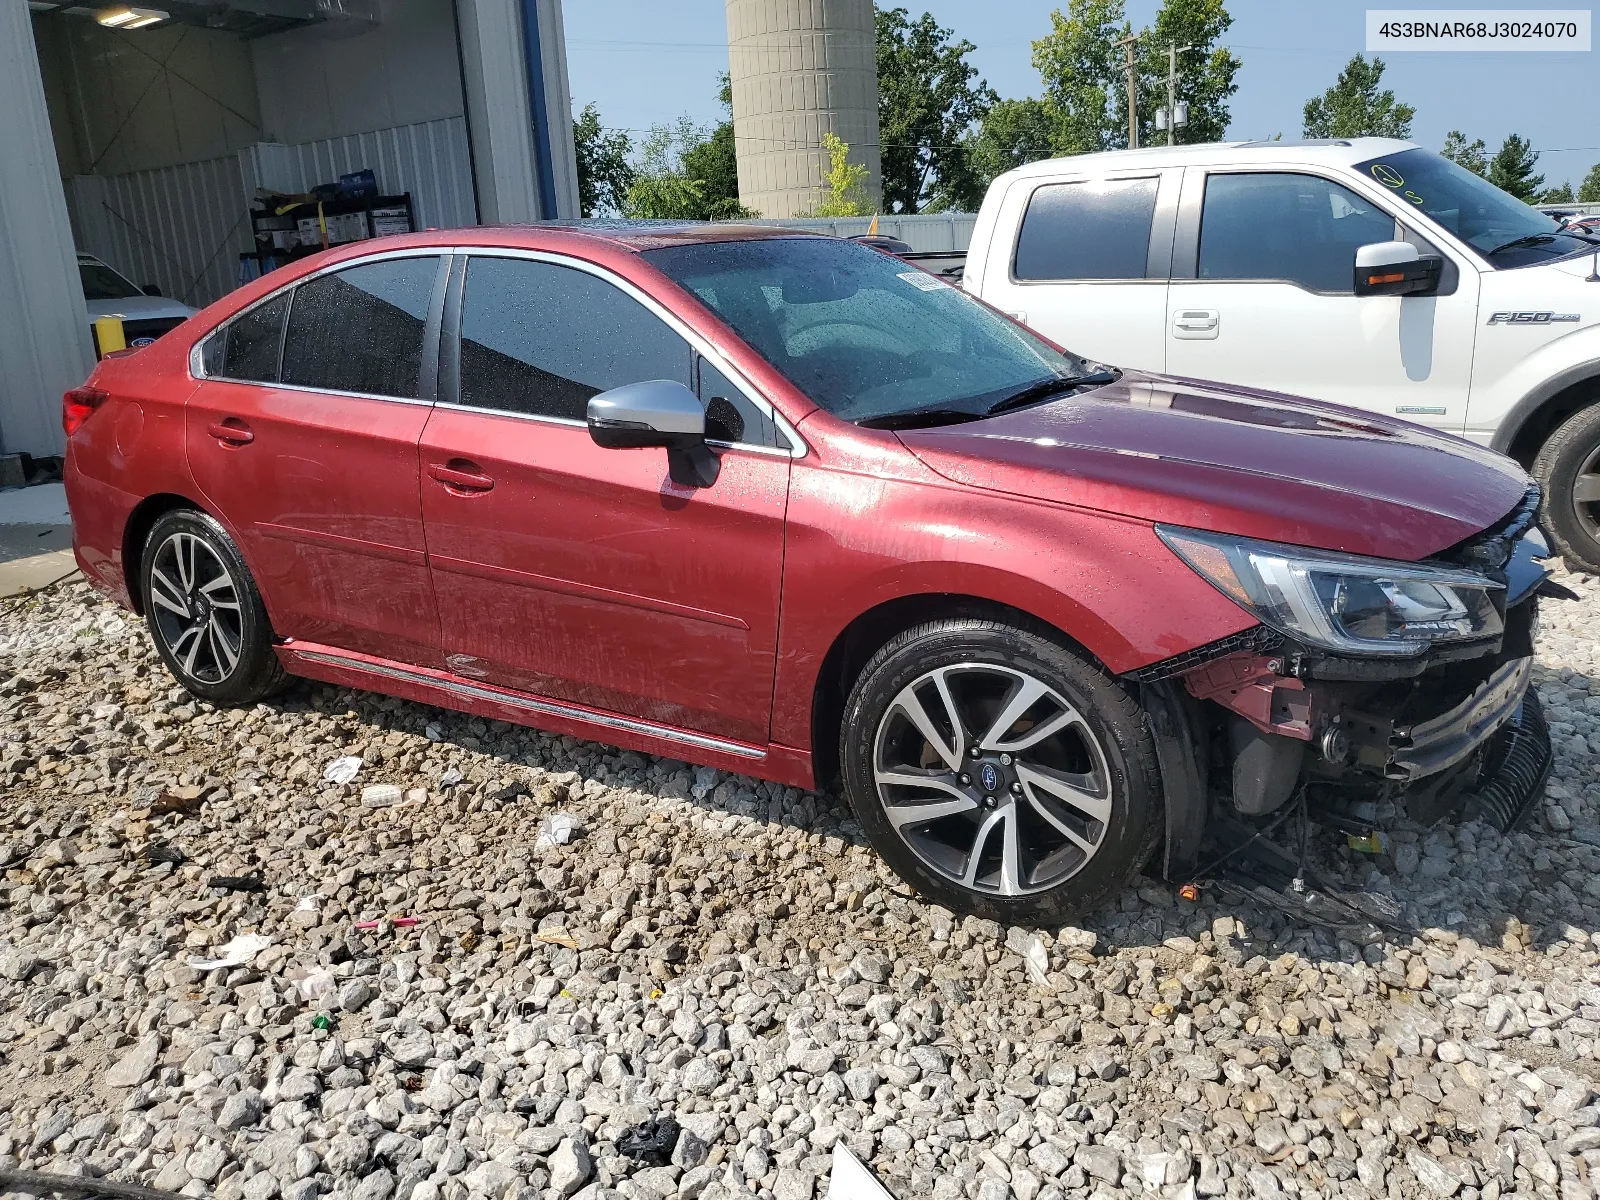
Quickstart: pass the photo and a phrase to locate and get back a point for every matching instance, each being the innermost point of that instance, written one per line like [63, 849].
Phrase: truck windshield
[1500, 227]
[100, 282]
[866, 336]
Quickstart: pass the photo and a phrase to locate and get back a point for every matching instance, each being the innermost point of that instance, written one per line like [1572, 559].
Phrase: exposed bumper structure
[1433, 746]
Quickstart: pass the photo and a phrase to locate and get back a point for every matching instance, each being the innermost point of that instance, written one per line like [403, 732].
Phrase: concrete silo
[801, 69]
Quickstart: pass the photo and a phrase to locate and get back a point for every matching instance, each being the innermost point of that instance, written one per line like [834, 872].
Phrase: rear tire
[205, 613]
[998, 773]
[1568, 470]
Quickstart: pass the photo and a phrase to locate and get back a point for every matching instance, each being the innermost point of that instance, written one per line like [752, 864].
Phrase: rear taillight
[77, 404]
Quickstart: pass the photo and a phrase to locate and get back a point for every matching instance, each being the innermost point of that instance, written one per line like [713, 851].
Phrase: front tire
[998, 773]
[1568, 470]
[204, 612]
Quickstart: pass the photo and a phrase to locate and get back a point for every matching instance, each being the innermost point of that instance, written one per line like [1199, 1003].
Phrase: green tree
[1589, 189]
[604, 172]
[1205, 71]
[1511, 169]
[716, 165]
[1473, 156]
[1354, 107]
[846, 182]
[929, 98]
[687, 172]
[1013, 132]
[1084, 72]
[1560, 194]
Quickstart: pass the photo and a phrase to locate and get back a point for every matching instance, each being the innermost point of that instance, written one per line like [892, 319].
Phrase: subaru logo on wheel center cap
[989, 777]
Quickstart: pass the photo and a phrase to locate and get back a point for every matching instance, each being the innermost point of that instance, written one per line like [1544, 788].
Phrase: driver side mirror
[657, 412]
[150, 289]
[1396, 269]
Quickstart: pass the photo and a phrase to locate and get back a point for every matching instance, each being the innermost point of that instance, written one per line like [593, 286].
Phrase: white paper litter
[343, 769]
[380, 795]
[309, 904]
[1037, 962]
[235, 954]
[555, 830]
[316, 985]
[850, 1179]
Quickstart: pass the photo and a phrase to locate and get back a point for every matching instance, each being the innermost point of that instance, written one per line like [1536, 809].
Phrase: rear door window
[361, 329]
[1286, 227]
[251, 341]
[1094, 229]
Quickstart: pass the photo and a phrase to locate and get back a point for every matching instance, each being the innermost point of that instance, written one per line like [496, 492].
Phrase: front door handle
[1196, 323]
[461, 476]
[231, 431]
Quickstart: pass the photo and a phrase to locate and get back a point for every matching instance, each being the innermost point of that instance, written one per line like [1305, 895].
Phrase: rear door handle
[231, 431]
[1195, 323]
[461, 476]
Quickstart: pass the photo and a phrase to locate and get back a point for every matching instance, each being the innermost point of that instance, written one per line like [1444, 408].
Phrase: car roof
[1342, 152]
[636, 235]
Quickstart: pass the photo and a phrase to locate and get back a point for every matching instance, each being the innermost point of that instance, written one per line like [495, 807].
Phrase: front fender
[1510, 402]
[1106, 582]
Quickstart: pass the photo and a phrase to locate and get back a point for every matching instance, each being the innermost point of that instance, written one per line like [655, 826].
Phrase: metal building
[141, 135]
[801, 69]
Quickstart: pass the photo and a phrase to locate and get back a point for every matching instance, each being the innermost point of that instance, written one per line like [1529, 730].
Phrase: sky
[643, 62]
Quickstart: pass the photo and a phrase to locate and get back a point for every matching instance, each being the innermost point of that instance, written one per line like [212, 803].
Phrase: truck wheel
[1568, 469]
[205, 613]
[998, 773]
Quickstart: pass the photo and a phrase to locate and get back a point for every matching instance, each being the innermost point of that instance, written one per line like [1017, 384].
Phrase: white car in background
[145, 313]
[1363, 271]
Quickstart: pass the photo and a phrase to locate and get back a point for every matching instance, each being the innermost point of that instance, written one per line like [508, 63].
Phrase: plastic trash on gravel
[850, 1179]
[343, 769]
[555, 830]
[235, 954]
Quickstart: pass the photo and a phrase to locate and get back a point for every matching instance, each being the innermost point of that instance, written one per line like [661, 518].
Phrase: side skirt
[782, 764]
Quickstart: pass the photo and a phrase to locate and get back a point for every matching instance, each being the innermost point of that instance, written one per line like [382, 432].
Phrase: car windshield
[1502, 228]
[865, 336]
[100, 282]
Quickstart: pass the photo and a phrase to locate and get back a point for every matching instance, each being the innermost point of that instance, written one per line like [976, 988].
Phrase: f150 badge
[1530, 318]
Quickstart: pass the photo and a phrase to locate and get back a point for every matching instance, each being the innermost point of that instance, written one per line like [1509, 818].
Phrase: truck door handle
[231, 431]
[461, 476]
[1196, 323]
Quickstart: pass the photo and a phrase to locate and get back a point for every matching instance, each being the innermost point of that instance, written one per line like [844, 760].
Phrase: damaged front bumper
[1407, 753]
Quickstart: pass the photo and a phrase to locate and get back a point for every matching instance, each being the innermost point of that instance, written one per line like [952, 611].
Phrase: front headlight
[1342, 602]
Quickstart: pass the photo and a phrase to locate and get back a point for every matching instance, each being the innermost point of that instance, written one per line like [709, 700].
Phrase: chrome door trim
[551, 708]
[797, 444]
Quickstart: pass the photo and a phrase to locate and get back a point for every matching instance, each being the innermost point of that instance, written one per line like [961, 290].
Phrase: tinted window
[863, 335]
[100, 282]
[361, 330]
[1508, 232]
[1099, 229]
[540, 338]
[1292, 227]
[731, 416]
[253, 341]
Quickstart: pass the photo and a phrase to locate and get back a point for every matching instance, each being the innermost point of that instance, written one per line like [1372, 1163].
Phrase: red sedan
[784, 505]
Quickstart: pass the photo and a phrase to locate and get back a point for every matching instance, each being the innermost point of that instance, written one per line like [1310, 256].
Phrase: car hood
[1233, 460]
[139, 308]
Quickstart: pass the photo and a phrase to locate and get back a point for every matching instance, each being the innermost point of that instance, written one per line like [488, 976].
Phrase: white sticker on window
[922, 281]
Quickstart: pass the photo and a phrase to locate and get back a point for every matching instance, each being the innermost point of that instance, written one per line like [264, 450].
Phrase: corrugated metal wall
[180, 228]
[183, 228]
[926, 233]
[430, 160]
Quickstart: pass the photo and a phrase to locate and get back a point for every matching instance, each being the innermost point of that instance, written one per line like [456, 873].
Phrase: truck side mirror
[1396, 269]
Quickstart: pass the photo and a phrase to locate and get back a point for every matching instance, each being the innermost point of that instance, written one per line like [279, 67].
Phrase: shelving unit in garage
[301, 225]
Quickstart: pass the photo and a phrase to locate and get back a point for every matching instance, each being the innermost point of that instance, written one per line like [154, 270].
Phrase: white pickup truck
[1366, 272]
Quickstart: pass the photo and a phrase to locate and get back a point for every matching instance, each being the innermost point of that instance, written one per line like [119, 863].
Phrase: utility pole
[1133, 90]
[1172, 91]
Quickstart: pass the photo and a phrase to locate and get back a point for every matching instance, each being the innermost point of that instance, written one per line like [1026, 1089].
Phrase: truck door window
[1269, 226]
[1096, 229]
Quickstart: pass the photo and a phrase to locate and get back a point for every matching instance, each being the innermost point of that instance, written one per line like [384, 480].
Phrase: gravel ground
[730, 954]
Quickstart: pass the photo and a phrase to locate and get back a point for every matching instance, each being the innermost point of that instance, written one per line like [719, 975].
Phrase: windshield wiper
[1049, 387]
[919, 418]
[1531, 239]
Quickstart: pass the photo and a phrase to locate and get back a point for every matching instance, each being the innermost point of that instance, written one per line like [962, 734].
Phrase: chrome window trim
[797, 444]
[197, 371]
[742, 447]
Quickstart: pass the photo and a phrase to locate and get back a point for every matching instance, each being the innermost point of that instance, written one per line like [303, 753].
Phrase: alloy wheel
[992, 778]
[1586, 494]
[195, 602]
